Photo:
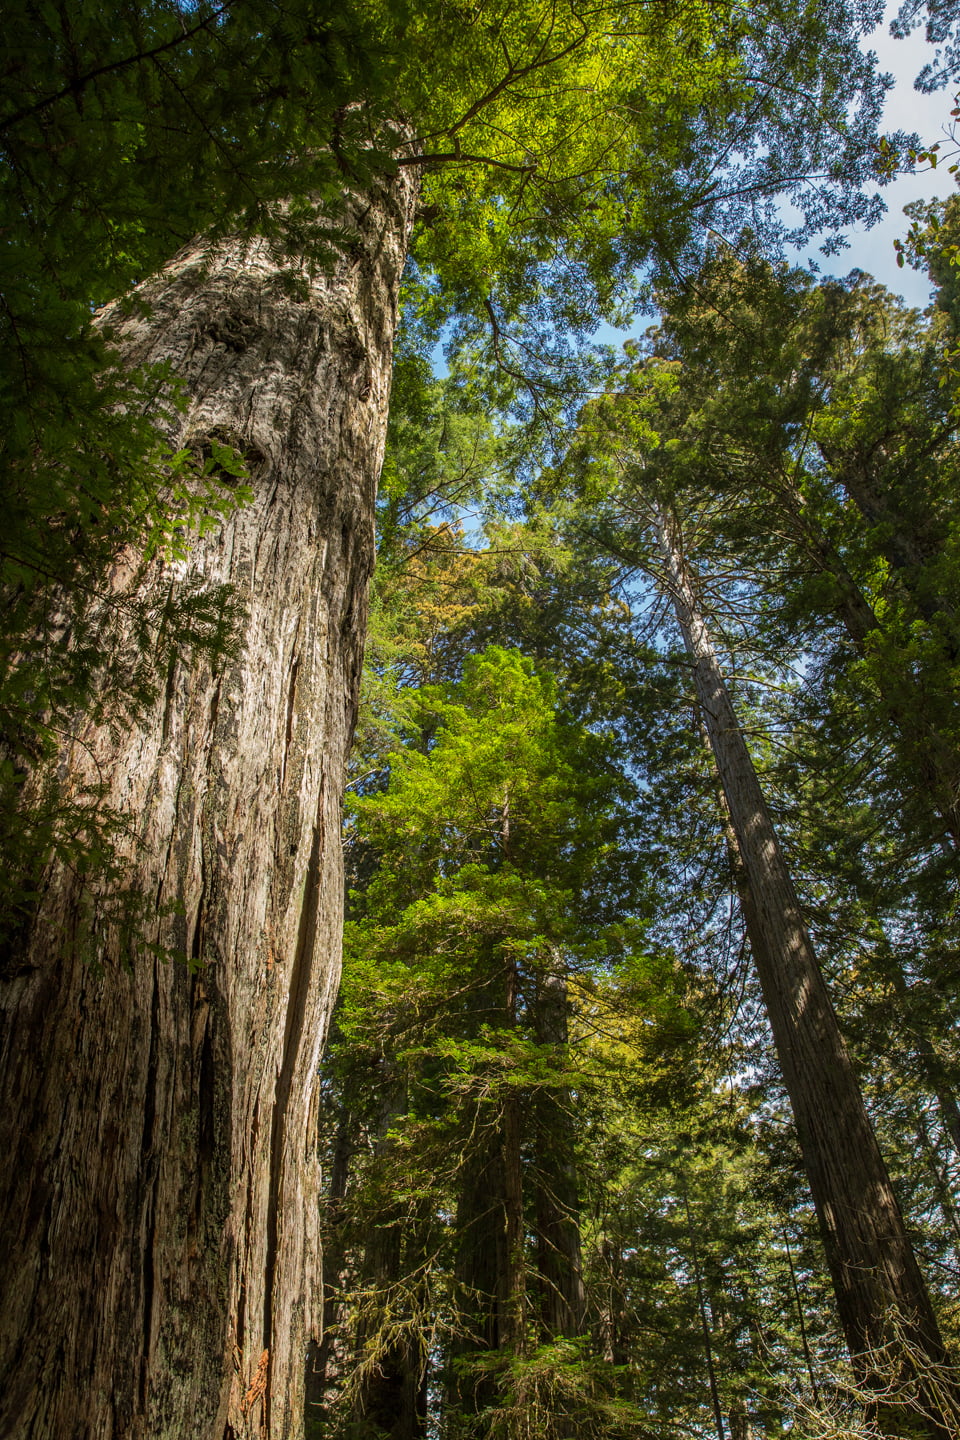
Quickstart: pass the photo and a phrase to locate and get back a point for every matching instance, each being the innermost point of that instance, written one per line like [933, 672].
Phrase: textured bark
[479, 1266]
[880, 1293]
[512, 1278]
[325, 1357]
[159, 1193]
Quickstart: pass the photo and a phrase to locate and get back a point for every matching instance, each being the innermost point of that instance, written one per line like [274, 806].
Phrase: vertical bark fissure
[149, 1169]
[293, 1036]
[321, 1359]
[291, 711]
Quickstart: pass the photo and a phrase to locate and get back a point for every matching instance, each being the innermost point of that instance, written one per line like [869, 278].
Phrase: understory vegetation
[566, 1196]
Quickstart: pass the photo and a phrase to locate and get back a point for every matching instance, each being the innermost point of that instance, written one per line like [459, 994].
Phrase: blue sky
[906, 109]
[872, 251]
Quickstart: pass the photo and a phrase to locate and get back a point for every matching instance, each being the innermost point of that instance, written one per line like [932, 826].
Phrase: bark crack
[291, 703]
[300, 982]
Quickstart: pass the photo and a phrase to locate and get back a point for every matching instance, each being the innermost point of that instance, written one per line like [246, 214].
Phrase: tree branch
[80, 82]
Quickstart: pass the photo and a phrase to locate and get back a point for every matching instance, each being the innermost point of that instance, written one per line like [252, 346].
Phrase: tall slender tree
[880, 1293]
[882, 1301]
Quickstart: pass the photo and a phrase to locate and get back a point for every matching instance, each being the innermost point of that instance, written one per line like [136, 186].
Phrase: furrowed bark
[881, 1298]
[159, 1192]
[325, 1357]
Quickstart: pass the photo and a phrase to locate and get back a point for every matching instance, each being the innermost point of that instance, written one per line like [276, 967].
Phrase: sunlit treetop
[566, 149]
[562, 141]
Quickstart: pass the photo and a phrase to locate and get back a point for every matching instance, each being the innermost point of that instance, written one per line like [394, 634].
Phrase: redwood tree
[881, 1297]
[168, 1180]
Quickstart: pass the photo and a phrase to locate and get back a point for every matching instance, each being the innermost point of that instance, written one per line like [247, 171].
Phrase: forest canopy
[564, 152]
[639, 1113]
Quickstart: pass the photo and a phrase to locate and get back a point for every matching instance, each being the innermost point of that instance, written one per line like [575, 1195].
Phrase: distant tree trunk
[325, 1355]
[512, 1278]
[490, 1266]
[879, 1290]
[610, 1337]
[559, 1261]
[738, 1420]
[935, 1073]
[941, 1185]
[705, 1326]
[391, 1396]
[159, 1191]
[479, 1261]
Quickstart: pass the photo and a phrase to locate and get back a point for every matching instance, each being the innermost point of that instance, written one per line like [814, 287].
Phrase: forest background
[652, 820]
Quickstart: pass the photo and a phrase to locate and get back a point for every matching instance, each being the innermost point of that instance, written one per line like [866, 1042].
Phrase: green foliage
[483, 858]
[802, 433]
[434, 1055]
[559, 149]
[940, 30]
[558, 1392]
[544, 963]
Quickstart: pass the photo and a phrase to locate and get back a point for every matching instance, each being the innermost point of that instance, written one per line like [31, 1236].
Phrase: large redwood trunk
[882, 1302]
[159, 1187]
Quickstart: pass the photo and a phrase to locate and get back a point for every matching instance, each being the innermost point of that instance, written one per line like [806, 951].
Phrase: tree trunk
[325, 1357]
[610, 1330]
[478, 1269]
[490, 1263]
[705, 1319]
[559, 1260]
[159, 1193]
[512, 1301]
[881, 1297]
[391, 1337]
